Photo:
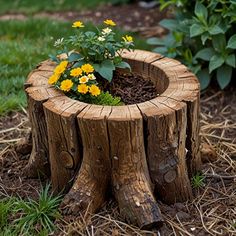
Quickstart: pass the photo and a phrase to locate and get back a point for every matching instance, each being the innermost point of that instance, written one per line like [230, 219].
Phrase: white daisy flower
[101, 39]
[83, 79]
[106, 31]
[58, 42]
[91, 77]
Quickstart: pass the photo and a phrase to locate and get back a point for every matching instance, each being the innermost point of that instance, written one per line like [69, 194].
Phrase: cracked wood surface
[141, 153]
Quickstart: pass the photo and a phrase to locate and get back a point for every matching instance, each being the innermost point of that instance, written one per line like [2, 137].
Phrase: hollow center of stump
[129, 86]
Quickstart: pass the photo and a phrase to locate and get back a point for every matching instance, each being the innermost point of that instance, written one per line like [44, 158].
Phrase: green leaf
[200, 11]
[123, 65]
[108, 64]
[105, 69]
[204, 38]
[196, 30]
[219, 43]
[215, 62]
[90, 34]
[169, 24]
[54, 58]
[161, 50]
[78, 64]
[204, 78]
[205, 54]
[224, 74]
[195, 68]
[232, 42]
[216, 30]
[230, 60]
[74, 57]
[155, 41]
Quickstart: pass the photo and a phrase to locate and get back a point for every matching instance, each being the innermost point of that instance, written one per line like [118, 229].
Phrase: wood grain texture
[130, 176]
[38, 163]
[141, 153]
[64, 145]
[90, 186]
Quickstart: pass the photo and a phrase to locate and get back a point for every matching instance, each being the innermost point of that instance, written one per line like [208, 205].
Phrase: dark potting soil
[130, 87]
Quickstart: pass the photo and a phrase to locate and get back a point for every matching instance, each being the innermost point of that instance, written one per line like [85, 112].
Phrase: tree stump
[141, 153]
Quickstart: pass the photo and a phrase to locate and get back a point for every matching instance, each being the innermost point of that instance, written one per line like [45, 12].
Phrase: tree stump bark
[141, 153]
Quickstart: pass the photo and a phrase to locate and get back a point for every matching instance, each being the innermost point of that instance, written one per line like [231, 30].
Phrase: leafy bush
[203, 38]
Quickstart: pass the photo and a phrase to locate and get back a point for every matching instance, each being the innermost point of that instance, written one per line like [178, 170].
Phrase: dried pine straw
[212, 211]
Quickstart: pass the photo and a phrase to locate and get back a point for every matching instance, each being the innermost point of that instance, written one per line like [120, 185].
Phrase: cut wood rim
[174, 83]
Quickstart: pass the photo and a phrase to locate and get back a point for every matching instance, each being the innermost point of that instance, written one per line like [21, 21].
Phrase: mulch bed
[130, 87]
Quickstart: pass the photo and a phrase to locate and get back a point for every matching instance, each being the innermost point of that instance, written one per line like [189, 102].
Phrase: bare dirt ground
[212, 212]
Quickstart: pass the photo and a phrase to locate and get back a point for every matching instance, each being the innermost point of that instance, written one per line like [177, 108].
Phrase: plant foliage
[37, 216]
[203, 38]
[88, 54]
[29, 217]
[198, 180]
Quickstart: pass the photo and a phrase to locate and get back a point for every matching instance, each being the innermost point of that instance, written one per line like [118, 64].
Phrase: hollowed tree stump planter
[142, 152]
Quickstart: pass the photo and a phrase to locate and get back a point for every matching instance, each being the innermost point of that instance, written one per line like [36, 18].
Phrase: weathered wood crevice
[64, 144]
[137, 152]
[38, 163]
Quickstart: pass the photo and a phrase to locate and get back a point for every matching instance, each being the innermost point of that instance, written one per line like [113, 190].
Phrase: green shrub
[203, 38]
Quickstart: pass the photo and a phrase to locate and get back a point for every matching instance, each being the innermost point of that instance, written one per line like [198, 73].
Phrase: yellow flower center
[91, 77]
[83, 79]
[76, 72]
[87, 68]
[94, 90]
[110, 22]
[66, 85]
[82, 88]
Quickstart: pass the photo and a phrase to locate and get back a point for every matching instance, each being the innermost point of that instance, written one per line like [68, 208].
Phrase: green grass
[23, 44]
[198, 180]
[34, 6]
[29, 217]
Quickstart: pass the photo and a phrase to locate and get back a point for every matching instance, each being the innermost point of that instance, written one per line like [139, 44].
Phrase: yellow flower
[128, 39]
[109, 22]
[53, 79]
[63, 64]
[82, 88]
[61, 67]
[94, 90]
[91, 77]
[83, 79]
[66, 85]
[87, 68]
[76, 72]
[78, 24]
